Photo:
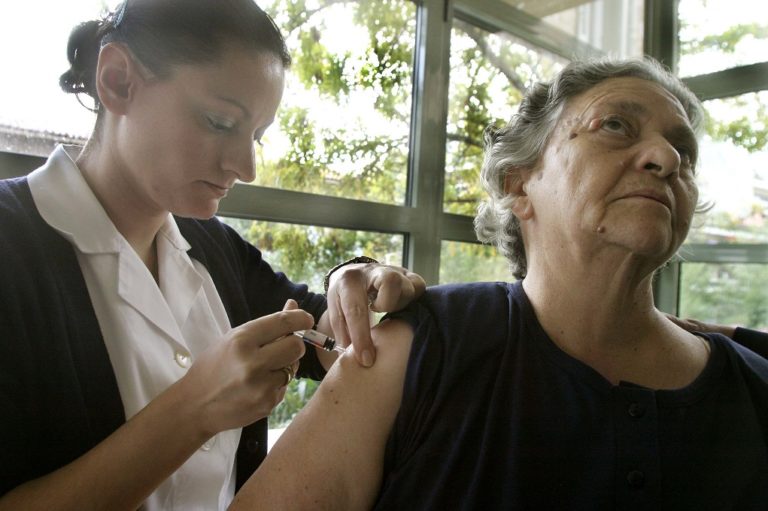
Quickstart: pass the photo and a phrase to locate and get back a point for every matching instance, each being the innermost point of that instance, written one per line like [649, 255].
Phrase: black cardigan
[58, 393]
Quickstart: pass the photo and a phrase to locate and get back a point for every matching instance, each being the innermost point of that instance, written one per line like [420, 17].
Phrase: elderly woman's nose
[660, 157]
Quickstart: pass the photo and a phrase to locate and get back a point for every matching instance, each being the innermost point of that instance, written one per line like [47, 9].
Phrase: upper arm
[332, 454]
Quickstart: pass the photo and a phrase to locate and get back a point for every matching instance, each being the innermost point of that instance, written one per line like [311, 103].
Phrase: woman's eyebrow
[628, 107]
[236, 103]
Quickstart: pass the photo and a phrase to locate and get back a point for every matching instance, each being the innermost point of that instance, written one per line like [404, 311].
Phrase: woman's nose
[659, 157]
[240, 159]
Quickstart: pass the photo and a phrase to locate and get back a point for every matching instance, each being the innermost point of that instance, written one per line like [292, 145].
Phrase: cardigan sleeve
[247, 284]
[15, 434]
[58, 394]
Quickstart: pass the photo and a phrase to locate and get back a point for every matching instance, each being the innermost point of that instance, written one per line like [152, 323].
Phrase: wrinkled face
[188, 138]
[618, 170]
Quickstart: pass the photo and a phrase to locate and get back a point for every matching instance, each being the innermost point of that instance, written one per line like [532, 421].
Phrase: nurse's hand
[242, 378]
[693, 325]
[357, 289]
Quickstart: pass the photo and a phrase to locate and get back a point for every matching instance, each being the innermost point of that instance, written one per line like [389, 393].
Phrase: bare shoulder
[331, 456]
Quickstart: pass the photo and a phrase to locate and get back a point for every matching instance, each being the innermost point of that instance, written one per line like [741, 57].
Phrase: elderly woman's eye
[615, 125]
[686, 156]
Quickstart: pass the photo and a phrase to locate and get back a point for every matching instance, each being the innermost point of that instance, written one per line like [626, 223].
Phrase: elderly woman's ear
[514, 187]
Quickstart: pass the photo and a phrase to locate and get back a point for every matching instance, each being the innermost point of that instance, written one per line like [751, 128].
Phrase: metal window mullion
[730, 82]
[494, 16]
[278, 205]
[427, 156]
[660, 31]
[15, 165]
[725, 253]
[660, 41]
[666, 288]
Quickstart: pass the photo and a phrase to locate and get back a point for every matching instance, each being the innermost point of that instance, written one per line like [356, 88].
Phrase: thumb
[290, 304]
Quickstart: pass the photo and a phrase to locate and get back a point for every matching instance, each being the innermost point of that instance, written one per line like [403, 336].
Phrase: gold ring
[288, 374]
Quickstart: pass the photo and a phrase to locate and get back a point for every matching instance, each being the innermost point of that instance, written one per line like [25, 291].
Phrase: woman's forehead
[629, 95]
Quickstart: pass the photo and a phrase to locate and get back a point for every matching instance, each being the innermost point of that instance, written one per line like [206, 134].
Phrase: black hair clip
[119, 13]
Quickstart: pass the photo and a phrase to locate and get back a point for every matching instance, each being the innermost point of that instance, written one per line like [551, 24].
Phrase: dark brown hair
[164, 33]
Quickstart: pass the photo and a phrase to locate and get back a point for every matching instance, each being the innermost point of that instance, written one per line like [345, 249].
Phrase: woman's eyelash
[219, 124]
[687, 154]
[614, 124]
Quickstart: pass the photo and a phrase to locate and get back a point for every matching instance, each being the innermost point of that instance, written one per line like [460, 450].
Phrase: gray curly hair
[519, 144]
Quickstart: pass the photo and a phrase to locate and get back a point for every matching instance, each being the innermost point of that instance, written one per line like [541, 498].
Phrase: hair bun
[82, 53]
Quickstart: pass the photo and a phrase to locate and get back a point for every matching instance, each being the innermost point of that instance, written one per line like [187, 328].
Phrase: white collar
[67, 203]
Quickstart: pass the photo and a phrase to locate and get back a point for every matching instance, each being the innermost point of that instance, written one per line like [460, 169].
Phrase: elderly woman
[567, 389]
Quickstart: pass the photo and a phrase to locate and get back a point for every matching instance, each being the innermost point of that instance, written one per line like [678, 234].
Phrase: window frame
[662, 43]
[421, 219]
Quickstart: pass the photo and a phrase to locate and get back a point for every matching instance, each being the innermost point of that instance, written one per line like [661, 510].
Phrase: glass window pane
[719, 34]
[613, 26]
[489, 73]
[305, 252]
[296, 396]
[730, 294]
[472, 262]
[344, 123]
[733, 171]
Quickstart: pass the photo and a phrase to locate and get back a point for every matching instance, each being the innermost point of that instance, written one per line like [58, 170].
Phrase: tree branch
[477, 36]
[465, 139]
[326, 4]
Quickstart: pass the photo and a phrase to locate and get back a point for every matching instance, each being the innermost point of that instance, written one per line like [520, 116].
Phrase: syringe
[319, 340]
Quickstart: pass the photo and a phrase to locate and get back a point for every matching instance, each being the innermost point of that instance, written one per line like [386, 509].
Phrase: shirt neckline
[666, 397]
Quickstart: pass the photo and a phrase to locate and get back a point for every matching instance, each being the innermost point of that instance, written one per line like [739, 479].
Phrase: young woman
[138, 334]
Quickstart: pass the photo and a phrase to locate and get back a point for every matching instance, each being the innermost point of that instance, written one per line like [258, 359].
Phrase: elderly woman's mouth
[651, 196]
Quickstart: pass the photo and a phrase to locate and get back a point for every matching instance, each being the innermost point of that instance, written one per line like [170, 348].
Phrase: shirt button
[252, 445]
[182, 358]
[636, 410]
[208, 445]
[636, 478]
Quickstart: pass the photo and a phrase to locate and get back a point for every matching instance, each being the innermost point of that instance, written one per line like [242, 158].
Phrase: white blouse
[153, 330]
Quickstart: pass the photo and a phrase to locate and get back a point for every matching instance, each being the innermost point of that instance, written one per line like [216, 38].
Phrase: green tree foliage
[489, 74]
[730, 293]
[305, 253]
[726, 41]
[750, 130]
[470, 262]
[296, 396]
[367, 158]
[725, 293]
[348, 161]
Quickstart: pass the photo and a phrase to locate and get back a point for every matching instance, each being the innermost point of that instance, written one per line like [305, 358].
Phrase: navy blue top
[495, 416]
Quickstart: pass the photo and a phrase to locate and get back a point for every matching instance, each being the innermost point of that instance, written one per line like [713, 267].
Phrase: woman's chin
[650, 245]
[200, 211]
